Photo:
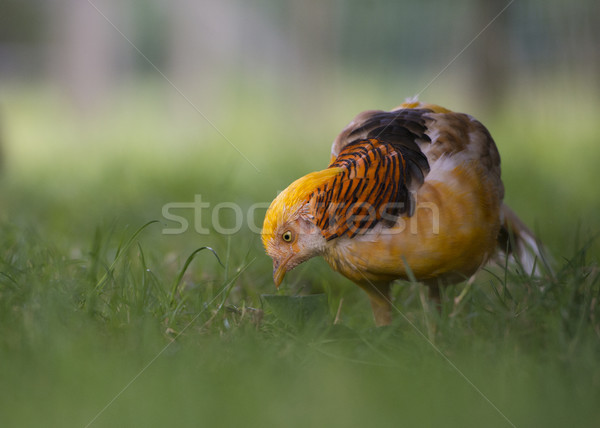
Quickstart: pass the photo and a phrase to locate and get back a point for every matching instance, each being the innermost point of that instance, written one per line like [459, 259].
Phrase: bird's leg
[434, 295]
[379, 294]
[382, 313]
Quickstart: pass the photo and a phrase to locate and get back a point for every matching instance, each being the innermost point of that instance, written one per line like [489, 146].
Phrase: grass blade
[184, 269]
[122, 250]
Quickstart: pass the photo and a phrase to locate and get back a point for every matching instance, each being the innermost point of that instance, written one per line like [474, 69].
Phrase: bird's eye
[287, 236]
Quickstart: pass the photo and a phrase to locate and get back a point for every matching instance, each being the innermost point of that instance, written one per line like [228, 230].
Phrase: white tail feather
[520, 242]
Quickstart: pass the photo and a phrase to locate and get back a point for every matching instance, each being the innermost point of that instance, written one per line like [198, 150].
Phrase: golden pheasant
[416, 189]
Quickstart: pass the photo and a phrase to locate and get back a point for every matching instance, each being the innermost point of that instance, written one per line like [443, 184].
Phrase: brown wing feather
[406, 126]
[374, 185]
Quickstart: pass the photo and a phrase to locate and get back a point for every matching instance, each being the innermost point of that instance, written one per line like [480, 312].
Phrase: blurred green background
[111, 109]
[140, 94]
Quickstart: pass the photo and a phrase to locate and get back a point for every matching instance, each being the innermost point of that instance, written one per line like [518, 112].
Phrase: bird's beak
[279, 270]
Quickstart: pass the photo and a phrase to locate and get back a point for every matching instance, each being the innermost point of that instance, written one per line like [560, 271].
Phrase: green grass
[107, 321]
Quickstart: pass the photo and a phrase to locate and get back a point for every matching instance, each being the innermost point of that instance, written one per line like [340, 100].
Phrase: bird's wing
[406, 124]
[377, 178]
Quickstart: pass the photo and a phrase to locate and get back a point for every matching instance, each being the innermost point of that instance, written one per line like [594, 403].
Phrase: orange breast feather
[450, 235]
[391, 214]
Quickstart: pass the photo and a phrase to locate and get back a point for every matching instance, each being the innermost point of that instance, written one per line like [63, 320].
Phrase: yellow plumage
[292, 196]
[416, 188]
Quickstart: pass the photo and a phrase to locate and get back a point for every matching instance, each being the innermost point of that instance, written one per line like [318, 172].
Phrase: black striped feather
[374, 185]
[400, 127]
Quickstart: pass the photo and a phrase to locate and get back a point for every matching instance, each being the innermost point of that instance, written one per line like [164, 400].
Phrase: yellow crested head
[289, 235]
[290, 200]
[414, 103]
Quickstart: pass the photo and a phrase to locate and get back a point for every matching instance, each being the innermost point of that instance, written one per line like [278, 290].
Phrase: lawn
[111, 317]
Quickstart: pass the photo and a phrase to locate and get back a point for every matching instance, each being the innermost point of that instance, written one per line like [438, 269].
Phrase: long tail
[518, 241]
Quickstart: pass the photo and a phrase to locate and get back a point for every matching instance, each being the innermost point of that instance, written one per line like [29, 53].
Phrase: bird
[412, 193]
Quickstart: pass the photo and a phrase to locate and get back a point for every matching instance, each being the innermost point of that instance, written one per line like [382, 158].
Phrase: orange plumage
[417, 188]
